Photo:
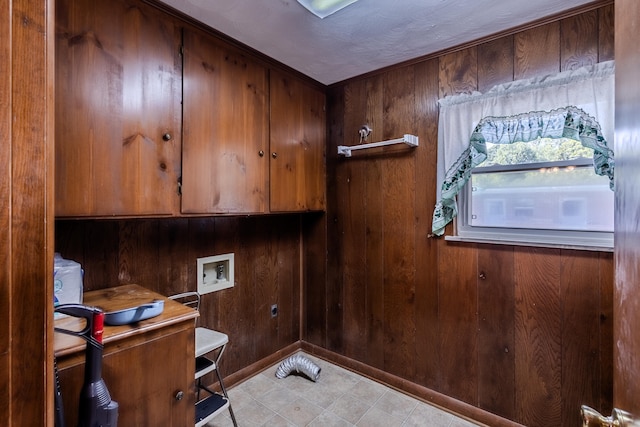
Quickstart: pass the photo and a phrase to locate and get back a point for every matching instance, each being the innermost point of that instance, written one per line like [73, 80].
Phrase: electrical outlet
[215, 273]
[274, 310]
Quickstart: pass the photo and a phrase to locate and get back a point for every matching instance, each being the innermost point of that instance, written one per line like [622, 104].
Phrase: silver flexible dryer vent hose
[299, 364]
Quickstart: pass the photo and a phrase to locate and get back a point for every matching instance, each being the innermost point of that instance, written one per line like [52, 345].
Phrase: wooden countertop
[119, 298]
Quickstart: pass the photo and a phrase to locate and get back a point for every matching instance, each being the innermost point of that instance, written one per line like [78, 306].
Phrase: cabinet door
[144, 376]
[118, 88]
[225, 125]
[297, 174]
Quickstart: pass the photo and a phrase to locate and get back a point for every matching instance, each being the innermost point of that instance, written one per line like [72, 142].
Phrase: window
[544, 190]
[528, 162]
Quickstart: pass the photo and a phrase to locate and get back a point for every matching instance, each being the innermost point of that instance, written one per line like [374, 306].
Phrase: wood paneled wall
[26, 217]
[161, 254]
[522, 332]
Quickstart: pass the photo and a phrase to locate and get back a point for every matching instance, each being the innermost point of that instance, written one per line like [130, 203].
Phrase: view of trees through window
[543, 150]
[542, 184]
[540, 150]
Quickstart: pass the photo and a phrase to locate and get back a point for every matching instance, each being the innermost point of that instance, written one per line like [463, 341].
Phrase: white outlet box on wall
[215, 273]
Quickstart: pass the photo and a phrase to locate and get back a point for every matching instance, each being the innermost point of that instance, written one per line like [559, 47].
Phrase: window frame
[570, 239]
[585, 95]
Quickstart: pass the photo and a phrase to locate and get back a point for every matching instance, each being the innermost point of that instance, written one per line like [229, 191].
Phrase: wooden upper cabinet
[138, 123]
[226, 126]
[118, 92]
[297, 145]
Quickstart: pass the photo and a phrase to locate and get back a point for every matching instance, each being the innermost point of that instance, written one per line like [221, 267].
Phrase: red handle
[98, 326]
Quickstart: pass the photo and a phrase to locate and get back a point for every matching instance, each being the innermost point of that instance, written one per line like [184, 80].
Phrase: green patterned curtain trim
[568, 122]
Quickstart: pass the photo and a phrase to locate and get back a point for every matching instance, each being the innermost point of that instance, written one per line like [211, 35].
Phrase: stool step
[208, 408]
[204, 365]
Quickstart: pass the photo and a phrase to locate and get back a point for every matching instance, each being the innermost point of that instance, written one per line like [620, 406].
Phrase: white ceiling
[367, 35]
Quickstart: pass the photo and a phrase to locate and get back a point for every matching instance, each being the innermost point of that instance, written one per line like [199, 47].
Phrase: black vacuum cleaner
[96, 408]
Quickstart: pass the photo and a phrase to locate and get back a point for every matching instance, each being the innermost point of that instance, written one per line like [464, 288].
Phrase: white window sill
[600, 245]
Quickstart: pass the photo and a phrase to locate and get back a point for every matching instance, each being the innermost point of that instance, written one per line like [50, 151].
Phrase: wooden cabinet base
[148, 369]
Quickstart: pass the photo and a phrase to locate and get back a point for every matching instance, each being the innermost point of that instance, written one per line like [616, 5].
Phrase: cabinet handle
[179, 395]
[274, 154]
[618, 418]
[166, 136]
[261, 153]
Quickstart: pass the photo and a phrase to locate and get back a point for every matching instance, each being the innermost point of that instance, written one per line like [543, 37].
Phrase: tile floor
[339, 398]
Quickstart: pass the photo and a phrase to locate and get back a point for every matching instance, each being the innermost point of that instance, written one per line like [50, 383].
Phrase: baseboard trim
[446, 403]
[262, 364]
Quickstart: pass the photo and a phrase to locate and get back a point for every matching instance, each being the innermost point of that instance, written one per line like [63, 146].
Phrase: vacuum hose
[299, 364]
